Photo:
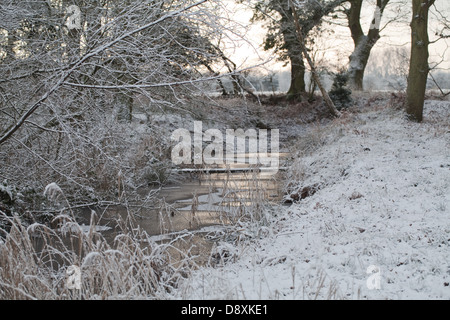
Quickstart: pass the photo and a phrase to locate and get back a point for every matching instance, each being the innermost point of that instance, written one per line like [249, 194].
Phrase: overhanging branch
[82, 60]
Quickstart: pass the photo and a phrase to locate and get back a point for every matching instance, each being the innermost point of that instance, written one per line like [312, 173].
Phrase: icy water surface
[203, 204]
[206, 197]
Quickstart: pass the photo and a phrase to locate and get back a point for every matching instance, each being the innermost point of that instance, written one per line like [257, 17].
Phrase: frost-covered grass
[35, 262]
[37, 259]
[383, 204]
[382, 198]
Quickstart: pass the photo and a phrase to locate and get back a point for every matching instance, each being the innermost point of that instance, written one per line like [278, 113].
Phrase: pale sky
[340, 44]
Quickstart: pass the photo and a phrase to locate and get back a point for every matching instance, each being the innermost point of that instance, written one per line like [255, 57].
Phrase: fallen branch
[440, 89]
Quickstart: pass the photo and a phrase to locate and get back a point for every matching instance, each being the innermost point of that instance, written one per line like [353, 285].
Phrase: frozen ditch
[201, 209]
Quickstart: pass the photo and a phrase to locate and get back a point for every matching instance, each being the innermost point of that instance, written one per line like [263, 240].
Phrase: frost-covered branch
[70, 97]
[65, 75]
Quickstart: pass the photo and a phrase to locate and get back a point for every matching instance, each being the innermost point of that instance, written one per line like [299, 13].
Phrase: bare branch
[85, 58]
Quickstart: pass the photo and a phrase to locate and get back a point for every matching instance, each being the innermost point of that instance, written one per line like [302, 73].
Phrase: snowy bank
[378, 226]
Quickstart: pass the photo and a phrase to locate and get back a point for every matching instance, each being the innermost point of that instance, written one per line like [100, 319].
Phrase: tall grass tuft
[34, 261]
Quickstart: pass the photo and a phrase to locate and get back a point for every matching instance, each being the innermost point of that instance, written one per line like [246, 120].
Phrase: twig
[437, 85]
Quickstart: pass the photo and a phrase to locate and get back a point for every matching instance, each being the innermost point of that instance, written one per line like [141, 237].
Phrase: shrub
[341, 95]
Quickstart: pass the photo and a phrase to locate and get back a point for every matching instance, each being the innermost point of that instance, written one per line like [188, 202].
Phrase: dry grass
[35, 258]
[34, 261]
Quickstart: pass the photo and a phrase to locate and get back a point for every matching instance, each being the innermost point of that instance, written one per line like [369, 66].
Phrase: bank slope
[377, 227]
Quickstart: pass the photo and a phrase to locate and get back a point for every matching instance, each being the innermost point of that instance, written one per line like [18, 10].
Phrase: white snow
[383, 204]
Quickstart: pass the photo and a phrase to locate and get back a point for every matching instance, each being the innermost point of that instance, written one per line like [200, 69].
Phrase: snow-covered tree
[72, 71]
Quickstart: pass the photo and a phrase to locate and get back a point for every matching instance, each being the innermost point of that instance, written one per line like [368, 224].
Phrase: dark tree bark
[282, 32]
[292, 46]
[418, 68]
[316, 11]
[298, 85]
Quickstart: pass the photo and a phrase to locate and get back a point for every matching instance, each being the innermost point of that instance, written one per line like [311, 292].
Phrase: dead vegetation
[34, 262]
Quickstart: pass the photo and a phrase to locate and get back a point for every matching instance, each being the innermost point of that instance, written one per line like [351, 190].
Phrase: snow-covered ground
[377, 228]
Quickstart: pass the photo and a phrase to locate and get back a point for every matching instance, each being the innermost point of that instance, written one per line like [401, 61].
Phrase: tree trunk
[73, 43]
[124, 104]
[288, 29]
[358, 63]
[363, 43]
[297, 86]
[10, 54]
[418, 68]
[328, 102]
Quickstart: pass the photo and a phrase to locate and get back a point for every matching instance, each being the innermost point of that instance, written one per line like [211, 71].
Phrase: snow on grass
[383, 200]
